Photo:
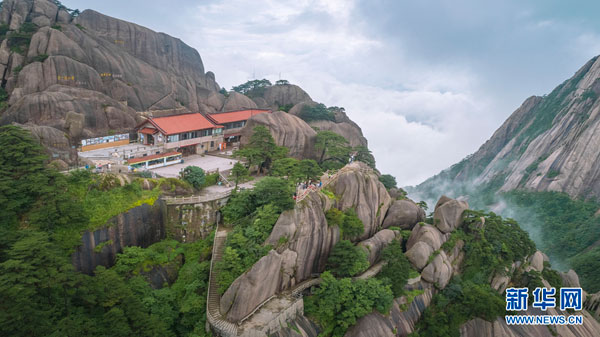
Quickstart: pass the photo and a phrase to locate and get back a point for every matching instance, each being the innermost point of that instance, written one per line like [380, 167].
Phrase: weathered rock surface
[536, 261]
[357, 186]
[297, 109]
[277, 95]
[570, 279]
[105, 69]
[237, 101]
[352, 133]
[287, 130]
[592, 305]
[423, 241]
[140, 226]
[557, 156]
[268, 276]
[439, 271]
[448, 214]
[404, 214]
[402, 318]
[375, 244]
[309, 241]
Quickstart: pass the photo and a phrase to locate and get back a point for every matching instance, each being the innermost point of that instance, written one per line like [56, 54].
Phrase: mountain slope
[549, 144]
[541, 167]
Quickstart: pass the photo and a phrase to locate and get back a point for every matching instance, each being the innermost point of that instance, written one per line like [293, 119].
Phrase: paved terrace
[208, 163]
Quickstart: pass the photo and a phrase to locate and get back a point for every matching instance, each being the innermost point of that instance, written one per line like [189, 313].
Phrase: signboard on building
[106, 141]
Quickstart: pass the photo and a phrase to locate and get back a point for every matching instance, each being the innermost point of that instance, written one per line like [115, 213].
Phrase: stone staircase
[219, 324]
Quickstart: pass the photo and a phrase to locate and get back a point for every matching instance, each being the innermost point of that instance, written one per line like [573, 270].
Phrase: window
[173, 138]
[212, 144]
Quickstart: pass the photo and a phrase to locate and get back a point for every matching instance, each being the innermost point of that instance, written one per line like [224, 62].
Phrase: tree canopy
[253, 88]
[261, 149]
[239, 172]
[316, 113]
[333, 147]
[388, 180]
[193, 175]
[347, 260]
[337, 304]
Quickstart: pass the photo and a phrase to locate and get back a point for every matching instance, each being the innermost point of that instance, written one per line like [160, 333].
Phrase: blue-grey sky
[428, 81]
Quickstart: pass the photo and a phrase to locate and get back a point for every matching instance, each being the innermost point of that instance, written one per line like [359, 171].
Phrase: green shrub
[552, 174]
[245, 244]
[567, 227]
[334, 217]
[352, 226]
[396, 272]
[337, 304]
[347, 260]
[194, 176]
[316, 113]
[211, 179]
[40, 58]
[388, 181]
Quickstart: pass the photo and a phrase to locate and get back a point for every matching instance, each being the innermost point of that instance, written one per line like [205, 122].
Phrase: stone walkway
[213, 303]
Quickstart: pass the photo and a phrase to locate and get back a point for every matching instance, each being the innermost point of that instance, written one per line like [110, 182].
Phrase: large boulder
[277, 95]
[307, 233]
[423, 241]
[373, 325]
[351, 132]
[448, 214]
[439, 271]
[375, 244]
[404, 214]
[51, 107]
[287, 130]
[570, 279]
[358, 186]
[297, 109]
[252, 288]
[402, 318]
[536, 261]
[237, 101]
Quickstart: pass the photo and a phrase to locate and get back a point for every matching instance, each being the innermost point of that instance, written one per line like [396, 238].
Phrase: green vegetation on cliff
[489, 249]
[337, 304]
[253, 214]
[569, 230]
[43, 214]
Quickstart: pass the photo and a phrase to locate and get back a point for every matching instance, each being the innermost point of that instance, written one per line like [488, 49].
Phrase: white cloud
[423, 121]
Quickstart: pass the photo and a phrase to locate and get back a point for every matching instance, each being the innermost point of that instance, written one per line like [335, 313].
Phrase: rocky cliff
[550, 143]
[309, 240]
[140, 226]
[438, 264]
[94, 69]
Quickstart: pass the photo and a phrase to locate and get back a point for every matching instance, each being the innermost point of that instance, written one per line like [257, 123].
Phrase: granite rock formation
[287, 130]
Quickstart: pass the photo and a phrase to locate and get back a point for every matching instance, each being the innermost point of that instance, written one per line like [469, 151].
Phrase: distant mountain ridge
[550, 143]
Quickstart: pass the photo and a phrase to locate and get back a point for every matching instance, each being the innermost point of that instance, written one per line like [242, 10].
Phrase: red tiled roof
[236, 116]
[152, 157]
[171, 125]
[148, 131]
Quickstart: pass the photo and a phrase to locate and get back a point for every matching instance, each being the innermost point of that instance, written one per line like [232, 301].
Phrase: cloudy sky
[428, 81]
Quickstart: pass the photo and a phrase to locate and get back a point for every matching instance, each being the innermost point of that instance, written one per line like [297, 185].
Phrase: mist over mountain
[541, 164]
